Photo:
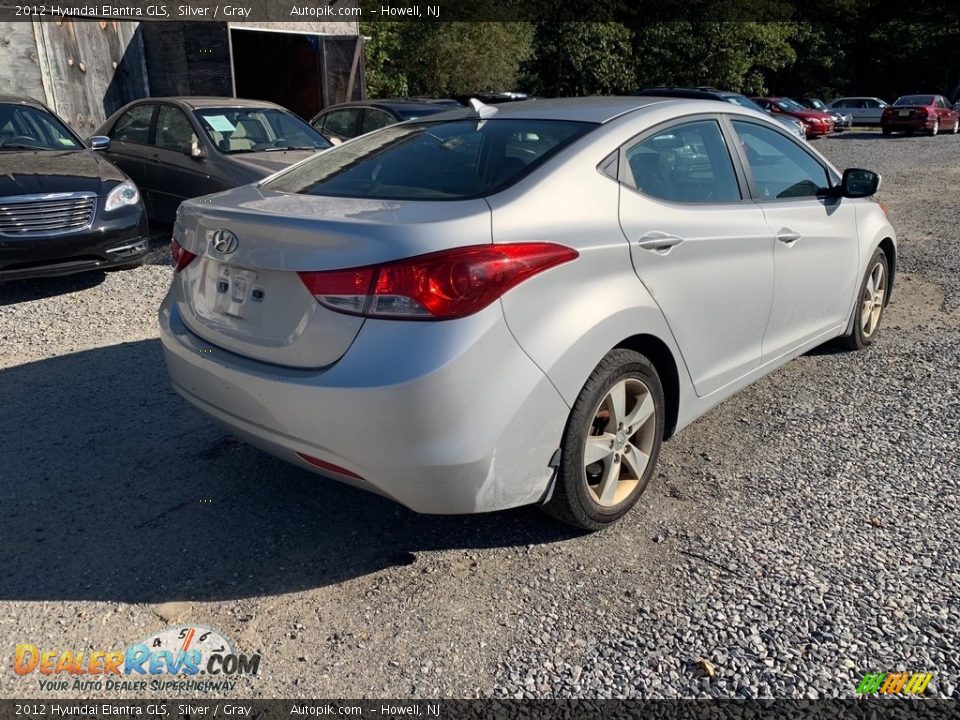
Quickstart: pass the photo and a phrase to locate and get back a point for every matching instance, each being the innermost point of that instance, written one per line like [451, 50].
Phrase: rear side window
[450, 160]
[342, 123]
[780, 167]
[134, 125]
[687, 163]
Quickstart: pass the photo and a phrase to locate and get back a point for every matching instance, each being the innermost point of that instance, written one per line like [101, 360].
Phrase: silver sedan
[506, 306]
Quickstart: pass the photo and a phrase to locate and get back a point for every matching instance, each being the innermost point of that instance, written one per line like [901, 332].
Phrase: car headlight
[122, 195]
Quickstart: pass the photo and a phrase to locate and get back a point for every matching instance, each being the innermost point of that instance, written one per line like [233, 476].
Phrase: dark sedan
[184, 147]
[348, 120]
[64, 208]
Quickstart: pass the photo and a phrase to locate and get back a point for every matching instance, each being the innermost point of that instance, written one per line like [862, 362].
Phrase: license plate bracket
[240, 292]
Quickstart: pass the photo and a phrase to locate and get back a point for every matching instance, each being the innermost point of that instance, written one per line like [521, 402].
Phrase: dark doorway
[304, 73]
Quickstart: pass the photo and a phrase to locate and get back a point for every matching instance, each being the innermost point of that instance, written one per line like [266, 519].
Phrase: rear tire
[868, 309]
[611, 442]
[886, 131]
[935, 130]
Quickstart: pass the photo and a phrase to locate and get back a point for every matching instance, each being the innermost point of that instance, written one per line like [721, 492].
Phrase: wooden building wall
[84, 70]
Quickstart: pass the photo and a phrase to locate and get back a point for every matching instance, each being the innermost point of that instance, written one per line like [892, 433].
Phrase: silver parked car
[863, 110]
[499, 307]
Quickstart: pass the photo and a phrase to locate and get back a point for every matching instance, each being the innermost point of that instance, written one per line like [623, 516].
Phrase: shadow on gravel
[112, 488]
[18, 291]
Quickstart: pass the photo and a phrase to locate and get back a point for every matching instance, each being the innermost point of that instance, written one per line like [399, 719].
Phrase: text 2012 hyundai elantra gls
[494, 308]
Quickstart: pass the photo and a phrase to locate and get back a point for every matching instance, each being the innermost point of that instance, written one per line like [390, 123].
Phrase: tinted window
[239, 130]
[781, 168]
[134, 125]
[23, 127]
[374, 120]
[419, 111]
[915, 100]
[174, 131]
[342, 123]
[686, 163]
[432, 161]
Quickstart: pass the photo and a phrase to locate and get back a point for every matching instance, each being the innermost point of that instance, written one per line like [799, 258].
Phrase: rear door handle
[787, 236]
[659, 242]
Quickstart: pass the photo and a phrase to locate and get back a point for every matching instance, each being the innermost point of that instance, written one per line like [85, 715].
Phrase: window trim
[735, 160]
[379, 111]
[832, 178]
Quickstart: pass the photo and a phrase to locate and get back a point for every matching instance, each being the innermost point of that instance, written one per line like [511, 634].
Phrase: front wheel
[868, 309]
[611, 443]
[956, 127]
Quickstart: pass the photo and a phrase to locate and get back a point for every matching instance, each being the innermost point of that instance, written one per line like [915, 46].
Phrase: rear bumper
[448, 417]
[107, 243]
[908, 123]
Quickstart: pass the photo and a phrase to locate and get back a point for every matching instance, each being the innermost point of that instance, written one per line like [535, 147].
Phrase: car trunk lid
[243, 293]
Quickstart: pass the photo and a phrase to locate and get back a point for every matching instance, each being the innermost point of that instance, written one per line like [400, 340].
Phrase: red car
[920, 113]
[816, 123]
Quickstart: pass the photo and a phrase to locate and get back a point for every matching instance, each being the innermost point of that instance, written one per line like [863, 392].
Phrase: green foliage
[580, 58]
[383, 69]
[444, 58]
[730, 55]
[853, 50]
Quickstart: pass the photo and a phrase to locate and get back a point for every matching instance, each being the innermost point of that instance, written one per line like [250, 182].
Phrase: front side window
[687, 163]
[28, 128]
[174, 131]
[781, 168]
[450, 160]
[240, 130]
[134, 125]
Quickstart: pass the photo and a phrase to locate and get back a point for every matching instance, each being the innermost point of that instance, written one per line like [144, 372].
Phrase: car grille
[27, 215]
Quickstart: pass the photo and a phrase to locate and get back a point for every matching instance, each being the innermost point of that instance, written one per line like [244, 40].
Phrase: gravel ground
[798, 536]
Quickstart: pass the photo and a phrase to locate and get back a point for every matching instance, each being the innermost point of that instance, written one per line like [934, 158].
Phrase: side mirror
[194, 150]
[856, 183]
[99, 142]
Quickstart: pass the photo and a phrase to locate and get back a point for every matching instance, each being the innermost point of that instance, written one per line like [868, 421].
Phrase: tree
[383, 50]
[580, 58]
[730, 55]
[444, 58]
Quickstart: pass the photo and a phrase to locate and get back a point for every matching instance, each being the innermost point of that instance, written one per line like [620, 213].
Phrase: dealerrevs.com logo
[183, 657]
[894, 683]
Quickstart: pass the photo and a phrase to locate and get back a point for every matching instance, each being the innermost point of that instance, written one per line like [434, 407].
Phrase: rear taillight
[438, 286]
[181, 257]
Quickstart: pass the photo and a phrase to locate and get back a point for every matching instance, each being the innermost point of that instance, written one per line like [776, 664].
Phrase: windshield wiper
[291, 147]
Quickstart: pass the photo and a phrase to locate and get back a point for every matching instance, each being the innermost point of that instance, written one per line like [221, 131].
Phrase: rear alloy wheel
[611, 443]
[936, 128]
[869, 308]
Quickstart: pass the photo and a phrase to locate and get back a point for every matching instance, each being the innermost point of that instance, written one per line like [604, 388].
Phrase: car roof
[199, 102]
[21, 100]
[595, 109]
[386, 104]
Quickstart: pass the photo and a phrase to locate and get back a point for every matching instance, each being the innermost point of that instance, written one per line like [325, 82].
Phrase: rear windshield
[450, 160]
[915, 100]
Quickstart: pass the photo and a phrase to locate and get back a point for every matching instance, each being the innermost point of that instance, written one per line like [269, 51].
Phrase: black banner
[816, 11]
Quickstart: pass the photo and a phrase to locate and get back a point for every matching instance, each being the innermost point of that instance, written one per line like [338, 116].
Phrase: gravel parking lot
[800, 535]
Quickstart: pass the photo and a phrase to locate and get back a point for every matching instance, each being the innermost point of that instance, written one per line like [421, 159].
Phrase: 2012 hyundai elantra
[500, 307]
